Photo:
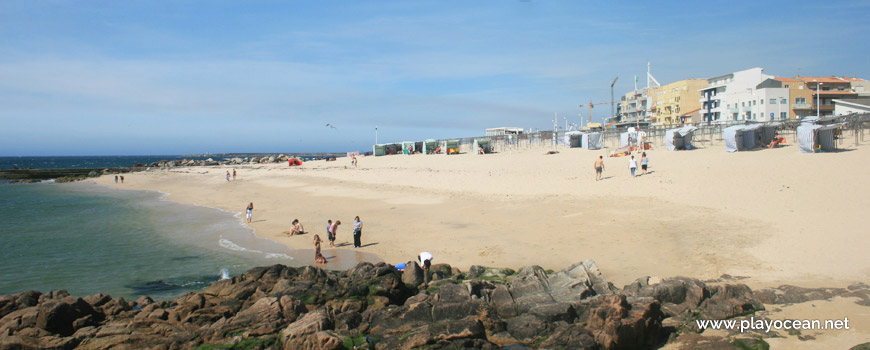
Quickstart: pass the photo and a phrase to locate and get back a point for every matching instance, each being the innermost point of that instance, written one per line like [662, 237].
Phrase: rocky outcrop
[377, 307]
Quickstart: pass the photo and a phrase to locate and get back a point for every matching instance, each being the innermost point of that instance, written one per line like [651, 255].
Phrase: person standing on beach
[632, 164]
[643, 162]
[116, 178]
[329, 230]
[122, 178]
[599, 167]
[228, 176]
[354, 160]
[234, 174]
[249, 212]
[333, 232]
[357, 232]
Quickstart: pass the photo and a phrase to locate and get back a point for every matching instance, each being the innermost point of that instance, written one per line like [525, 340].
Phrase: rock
[730, 300]
[526, 327]
[18, 301]
[56, 317]
[413, 274]
[18, 320]
[504, 302]
[620, 324]
[570, 336]
[299, 334]
[475, 271]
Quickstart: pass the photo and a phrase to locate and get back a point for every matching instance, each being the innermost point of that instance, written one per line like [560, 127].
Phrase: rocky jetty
[379, 307]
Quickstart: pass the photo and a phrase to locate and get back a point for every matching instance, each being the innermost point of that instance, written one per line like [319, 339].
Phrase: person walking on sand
[354, 160]
[234, 174]
[116, 178]
[249, 212]
[643, 162]
[357, 232]
[599, 167]
[228, 176]
[333, 232]
[318, 257]
[632, 164]
[122, 178]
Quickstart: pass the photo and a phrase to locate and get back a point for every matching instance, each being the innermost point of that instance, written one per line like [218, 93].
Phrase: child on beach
[357, 232]
[249, 212]
[116, 178]
[234, 174]
[297, 228]
[228, 176]
[643, 162]
[122, 178]
[318, 257]
[632, 164]
[333, 230]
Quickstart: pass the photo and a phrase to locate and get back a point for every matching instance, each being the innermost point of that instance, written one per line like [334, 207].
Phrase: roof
[792, 80]
[852, 79]
[835, 92]
[823, 80]
[691, 112]
[857, 101]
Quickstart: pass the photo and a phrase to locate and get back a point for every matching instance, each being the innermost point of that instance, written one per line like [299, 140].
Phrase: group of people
[228, 175]
[632, 165]
[331, 234]
[122, 178]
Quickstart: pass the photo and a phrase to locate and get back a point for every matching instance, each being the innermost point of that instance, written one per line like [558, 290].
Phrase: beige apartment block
[800, 98]
[670, 102]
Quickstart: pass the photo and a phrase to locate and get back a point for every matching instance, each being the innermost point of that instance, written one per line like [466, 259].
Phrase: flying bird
[330, 125]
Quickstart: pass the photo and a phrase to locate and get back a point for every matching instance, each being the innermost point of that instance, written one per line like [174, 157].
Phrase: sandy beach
[777, 216]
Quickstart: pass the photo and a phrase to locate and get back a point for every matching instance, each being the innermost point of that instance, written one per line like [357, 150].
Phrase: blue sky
[176, 77]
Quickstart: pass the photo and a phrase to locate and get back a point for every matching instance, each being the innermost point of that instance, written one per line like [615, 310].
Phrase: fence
[855, 125]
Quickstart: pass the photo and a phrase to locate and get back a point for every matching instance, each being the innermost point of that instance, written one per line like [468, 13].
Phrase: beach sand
[774, 216]
[777, 216]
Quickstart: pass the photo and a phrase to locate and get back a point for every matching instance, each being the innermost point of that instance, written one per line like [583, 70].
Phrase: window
[783, 115]
[800, 100]
[754, 103]
[826, 88]
[800, 87]
[783, 101]
[753, 115]
[743, 104]
[762, 101]
[786, 86]
[773, 101]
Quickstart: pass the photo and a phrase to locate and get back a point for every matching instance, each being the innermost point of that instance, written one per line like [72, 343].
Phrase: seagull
[330, 125]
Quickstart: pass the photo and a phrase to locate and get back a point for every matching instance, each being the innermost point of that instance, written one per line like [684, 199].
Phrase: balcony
[747, 108]
[733, 110]
[801, 106]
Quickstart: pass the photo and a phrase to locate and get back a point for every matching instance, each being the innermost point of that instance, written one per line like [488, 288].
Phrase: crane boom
[590, 104]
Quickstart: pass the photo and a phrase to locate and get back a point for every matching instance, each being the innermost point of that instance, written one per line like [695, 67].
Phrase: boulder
[618, 323]
[413, 274]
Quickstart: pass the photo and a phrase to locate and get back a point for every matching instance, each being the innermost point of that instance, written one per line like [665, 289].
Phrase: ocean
[87, 238]
[66, 162]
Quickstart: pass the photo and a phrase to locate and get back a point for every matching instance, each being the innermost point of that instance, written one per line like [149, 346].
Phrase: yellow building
[800, 98]
[669, 102]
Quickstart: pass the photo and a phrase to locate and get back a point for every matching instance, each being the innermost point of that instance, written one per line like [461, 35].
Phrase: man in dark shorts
[599, 167]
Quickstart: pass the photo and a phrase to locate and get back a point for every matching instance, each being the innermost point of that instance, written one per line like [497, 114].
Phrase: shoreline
[660, 224]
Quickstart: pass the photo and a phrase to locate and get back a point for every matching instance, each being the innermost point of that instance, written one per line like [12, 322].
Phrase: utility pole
[612, 113]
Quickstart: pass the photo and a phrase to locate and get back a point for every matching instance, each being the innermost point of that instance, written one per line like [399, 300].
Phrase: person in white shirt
[632, 164]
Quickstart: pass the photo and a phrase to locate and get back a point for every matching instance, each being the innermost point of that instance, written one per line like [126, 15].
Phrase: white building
[731, 90]
[504, 131]
[767, 101]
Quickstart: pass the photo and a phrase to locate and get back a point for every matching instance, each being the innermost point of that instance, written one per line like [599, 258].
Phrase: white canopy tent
[814, 138]
[573, 139]
[592, 140]
[741, 137]
[679, 138]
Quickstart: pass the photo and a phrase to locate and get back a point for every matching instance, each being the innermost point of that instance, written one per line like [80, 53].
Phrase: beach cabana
[484, 143]
[592, 140]
[628, 138]
[767, 132]
[452, 147]
[392, 148]
[429, 146]
[679, 138]
[379, 150]
[573, 139]
[741, 137]
[407, 147]
[814, 138]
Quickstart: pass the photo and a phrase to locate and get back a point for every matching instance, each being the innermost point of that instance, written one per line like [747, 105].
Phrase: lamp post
[818, 100]
[376, 134]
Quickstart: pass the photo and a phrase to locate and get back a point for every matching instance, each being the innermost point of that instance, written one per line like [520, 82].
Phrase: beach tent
[573, 139]
[429, 146]
[484, 143]
[592, 140]
[816, 138]
[392, 148]
[767, 131]
[407, 147]
[452, 147]
[379, 150]
[294, 162]
[628, 138]
[679, 138]
[741, 137]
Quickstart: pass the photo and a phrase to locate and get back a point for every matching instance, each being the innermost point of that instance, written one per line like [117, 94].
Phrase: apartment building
[825, 90]
[676, 99]
[724, 98]
[633, 106]
[799, 98]
[767, 101]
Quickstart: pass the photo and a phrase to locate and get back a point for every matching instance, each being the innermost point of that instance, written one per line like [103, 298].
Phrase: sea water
[88, 238]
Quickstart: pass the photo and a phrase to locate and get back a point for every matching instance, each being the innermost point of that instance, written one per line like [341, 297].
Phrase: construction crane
[590, 104]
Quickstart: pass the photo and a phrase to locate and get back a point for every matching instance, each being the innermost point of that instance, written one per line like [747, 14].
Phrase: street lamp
[818, 99]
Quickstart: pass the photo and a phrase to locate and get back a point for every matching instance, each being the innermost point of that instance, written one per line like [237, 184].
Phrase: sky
[179, 77]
